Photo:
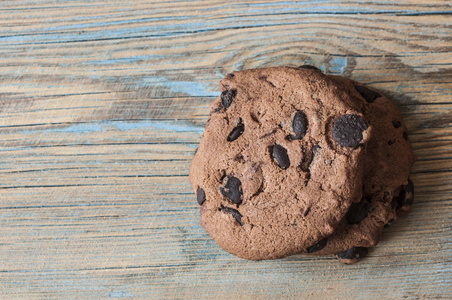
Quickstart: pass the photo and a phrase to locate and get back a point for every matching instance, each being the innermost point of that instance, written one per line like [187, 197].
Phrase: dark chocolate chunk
[235, 213]
[396, 124]
[299, 125]
[230, 75]
[308, 67]
[232, 189]
[348, 130]
[390, 142]
[367, 94]
[317, 247]
[196, 150]
[353, 253]
[227, 96]
[200, 196]
[236, 132]
[357, 212]
[280, 156]
[406, 197]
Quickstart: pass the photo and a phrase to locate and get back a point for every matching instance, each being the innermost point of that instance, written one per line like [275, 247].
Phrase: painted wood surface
[102, 104]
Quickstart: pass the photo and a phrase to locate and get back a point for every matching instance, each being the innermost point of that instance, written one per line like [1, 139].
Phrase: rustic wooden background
[102, 104]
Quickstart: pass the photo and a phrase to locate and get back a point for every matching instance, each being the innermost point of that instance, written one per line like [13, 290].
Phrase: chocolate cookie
[387, 189]
[280, 161]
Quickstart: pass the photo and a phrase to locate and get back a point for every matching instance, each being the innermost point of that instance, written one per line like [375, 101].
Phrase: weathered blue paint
[191, 88]
[186, 87]
[76, 128]
[290, 3]
[175, 126]
[79, 128]
[54, 34]
[124, 60]
[121, 22]
[25, 148]
[293, 5]
[121, 294]
[219, 74]
[338, 64]
[316, 7]
[44, 37]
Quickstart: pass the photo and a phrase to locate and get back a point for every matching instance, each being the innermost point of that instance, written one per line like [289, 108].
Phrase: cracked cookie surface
[280, 161]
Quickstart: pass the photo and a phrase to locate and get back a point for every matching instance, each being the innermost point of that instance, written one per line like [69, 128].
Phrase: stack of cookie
[293, 161]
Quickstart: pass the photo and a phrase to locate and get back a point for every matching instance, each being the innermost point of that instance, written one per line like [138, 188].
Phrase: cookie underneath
[387, 190]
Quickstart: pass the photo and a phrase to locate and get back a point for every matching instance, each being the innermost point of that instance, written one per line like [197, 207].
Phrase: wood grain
[102, 104]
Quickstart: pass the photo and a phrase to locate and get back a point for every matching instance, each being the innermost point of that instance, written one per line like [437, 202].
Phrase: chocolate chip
[232, 189]
[227, 96]
[263, 77]
[196, 150]
[367, 94]
[308, 67]
[236, 132]
[353, 253]
[200, 196]
[357, 212]
[230, 75]
[348, 130]
[235, 213]
[317, 247]
[299, 125]
[396, 124]
[280, 156]
[390, 142]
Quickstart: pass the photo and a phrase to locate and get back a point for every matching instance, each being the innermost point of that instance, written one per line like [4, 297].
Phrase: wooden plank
[102, 104]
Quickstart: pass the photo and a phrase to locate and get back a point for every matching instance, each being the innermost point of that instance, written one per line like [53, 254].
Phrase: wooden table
[102, 104]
